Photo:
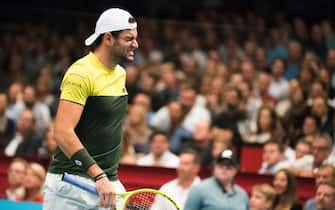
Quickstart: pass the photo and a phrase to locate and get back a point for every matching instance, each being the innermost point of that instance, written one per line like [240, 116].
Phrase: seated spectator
[279, 86]
[33, 183]
[293, 116]
[326, 173]
[159, 154]
[285, 187]
[144, 100]
[325, 196]
[128, 155]
[324, 112]
[263, 85]
[311, 125]
[187, 177]
[303, 149]
[25, 141]
[201, 142]
[7, 126]
[41, 111]
[262, 197]
[232, 114]
[137, 128]
[268, 127]
[16, 172]
[219, 191]
[321, 151]
[192, 112]
[49, 144]
[15, 105]
[273, 155]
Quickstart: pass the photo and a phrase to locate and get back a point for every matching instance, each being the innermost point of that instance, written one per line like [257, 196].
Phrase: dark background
[65, 10]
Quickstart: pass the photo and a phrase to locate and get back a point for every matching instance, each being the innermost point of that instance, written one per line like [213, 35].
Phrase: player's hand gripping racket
[142, 199]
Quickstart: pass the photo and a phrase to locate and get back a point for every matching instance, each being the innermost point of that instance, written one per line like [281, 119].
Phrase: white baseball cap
[113, 19]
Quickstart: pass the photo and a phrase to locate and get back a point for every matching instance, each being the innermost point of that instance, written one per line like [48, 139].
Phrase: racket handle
[82, 185]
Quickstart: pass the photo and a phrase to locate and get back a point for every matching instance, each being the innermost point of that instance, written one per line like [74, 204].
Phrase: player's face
[125, 45]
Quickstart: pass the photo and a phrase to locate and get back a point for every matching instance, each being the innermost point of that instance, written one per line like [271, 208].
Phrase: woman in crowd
[32, 183]
[284, 184]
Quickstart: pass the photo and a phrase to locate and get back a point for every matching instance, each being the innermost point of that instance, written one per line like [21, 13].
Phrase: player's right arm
[75, 90]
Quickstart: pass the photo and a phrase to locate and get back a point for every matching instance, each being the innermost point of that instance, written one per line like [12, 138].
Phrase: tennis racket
[142, 199]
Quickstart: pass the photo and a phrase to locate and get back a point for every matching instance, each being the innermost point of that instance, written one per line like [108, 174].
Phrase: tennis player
[88, 124]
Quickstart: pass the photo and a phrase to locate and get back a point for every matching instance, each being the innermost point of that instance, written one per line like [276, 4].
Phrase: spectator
[264, 81]
[15, 105]
[7, 126]
[303, 150]
[324, 112]
[144, 100]
[325, 196]
[273, 155]
[285, 187]
[192, 112]
[169, 85]
[232, 114]
[262, 197]
[132, 85]
[219, 191]
[137, 128]
[187, 177]
[33, 183]
[49, 144]
[16, 172]
[41, 111]
[201, 142]
[25, 141]
[128, 155]
[311, 125]
[279, 86]
[268, 127]
[326, 173]
[159, 154]
[294, 50]
[321, 151]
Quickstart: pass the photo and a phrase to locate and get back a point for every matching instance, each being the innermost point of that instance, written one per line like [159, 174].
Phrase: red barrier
[134, 177]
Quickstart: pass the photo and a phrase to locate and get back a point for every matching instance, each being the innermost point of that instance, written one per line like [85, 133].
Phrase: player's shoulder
[80, 68]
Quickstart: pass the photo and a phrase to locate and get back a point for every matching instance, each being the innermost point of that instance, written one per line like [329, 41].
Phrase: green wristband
[82, 159]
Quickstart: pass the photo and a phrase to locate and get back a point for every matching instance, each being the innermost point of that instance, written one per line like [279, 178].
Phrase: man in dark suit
[25, 141]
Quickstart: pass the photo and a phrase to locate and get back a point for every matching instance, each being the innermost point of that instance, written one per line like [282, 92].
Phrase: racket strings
[140, 201]
[148, 201]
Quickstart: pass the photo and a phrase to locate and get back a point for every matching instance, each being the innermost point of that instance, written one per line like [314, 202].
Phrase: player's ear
[109, 39]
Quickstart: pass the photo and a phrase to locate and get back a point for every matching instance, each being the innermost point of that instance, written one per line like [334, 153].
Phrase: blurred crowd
[221, 81]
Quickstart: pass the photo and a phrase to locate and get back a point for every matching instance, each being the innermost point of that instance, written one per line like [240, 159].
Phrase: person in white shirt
[273, 156]
[321, 151]
[159, 154]
[303, 150]
[187, 177]
[192, 111]
[279, 86]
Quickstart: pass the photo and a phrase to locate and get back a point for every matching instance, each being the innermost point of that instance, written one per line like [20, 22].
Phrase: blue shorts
[59, 195]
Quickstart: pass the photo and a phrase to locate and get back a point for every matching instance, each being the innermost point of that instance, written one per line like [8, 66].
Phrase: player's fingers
[114, 200]
[101, 199]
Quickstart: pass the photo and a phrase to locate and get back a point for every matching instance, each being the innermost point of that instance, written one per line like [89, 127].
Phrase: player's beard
[120, 53]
